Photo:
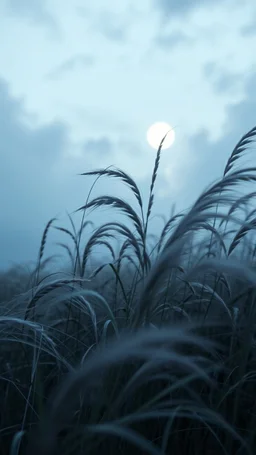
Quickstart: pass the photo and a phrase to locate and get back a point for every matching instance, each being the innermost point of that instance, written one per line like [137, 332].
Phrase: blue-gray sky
[80, 85]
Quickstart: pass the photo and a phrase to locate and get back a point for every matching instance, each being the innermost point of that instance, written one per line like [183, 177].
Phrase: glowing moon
[156, 133]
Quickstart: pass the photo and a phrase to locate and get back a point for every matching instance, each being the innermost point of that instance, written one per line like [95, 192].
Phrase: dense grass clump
[150, 352]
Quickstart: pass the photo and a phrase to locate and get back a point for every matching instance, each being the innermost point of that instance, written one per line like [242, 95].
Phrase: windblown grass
[151, 352]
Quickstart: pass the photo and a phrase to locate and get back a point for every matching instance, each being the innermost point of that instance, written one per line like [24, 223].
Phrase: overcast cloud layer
[79, 87]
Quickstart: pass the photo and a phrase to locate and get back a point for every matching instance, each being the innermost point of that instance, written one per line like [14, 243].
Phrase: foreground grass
[152, 352]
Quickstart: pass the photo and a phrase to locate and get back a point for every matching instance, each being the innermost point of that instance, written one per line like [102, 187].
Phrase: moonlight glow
[156, 133]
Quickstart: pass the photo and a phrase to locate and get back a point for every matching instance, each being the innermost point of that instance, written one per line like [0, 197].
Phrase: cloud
[169, 40]
[112, 26]
[37, 185]
[39, 177]
[174, 8]
[99, 147]
[31, 10]
[249, 29]
[27, 172]
[79, 61]
[211, 157]
[25, 144]
[223, 81]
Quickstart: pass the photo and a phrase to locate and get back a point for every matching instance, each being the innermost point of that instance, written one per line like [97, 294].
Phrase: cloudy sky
[80, 83]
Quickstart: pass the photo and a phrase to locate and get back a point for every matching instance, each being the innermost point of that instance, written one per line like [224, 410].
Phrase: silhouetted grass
[150, 352]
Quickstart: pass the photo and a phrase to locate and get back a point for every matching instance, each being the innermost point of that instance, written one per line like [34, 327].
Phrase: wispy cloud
[31, 10]
[28, 160]
[210, 157]
[169, 40]
[79, 61]
[174, 8]
[39, 174]
[98, 147]
[112, 26]
[112, 23]
[250, 29]
[223, 81]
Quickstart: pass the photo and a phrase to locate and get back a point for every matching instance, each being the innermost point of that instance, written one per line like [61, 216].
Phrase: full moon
[157, 132]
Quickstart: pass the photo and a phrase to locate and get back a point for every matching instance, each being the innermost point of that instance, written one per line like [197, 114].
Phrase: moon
[157, 132]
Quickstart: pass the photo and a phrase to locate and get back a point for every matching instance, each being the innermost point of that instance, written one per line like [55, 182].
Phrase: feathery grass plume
[97, 271]
[42, 247]
[12, 331]
[119, 280]
[72, 236]
[241, 234]
[119, 204]
[228, 266]
[121, 229]
[151, 347]
[241, 146]
[72, 224]
[195, 217]
[207, 227]
[76, 237]
[80, 301]
[243, 200]
[168, 260]
[67, 248]
[119, 174]
[224, 280]
[66, 231]
[153, 180]
[223, 236]
[151, 194]
[108, 246]
[240, 202]
[77, 261]
[121, 256]
[139, 223]
[227, 182]
[214, 294]
[82, 228]
[94, 240]
[132, 262]
[166, 229]
[209, 199]
[250, 214]
[44, 290]
[104, 230]
[136, 280]
[124, 247]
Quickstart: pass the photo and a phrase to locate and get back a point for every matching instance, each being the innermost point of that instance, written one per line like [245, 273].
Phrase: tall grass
[151, 352]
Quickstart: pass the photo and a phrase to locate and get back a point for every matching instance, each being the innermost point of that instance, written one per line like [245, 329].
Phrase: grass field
[152, 352]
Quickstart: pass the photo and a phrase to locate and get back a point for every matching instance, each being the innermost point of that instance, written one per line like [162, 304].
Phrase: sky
[80, 85]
